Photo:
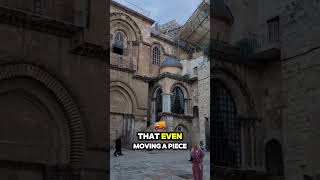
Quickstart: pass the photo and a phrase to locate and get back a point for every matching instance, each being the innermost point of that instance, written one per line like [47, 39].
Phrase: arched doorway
[186, 134]
[40, 126]
[274, 159]
[225, 137]
[122, 107]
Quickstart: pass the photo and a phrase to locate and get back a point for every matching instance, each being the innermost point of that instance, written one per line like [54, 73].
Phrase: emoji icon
[160, 125]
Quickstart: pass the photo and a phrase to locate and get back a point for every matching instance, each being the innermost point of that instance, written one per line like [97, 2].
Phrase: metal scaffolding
[196, 31]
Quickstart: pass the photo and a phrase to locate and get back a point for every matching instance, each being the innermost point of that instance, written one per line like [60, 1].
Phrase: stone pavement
[154, 165]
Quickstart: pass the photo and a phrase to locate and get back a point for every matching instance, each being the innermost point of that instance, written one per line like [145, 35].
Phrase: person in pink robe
[197, 162]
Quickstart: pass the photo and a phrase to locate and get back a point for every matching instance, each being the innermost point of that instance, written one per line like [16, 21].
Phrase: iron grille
[177, 101]
[225, 136]
[156, 56]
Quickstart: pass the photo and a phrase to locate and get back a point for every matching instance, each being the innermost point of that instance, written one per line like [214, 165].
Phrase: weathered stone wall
[300, 89]
[83, 79]
[285, 94]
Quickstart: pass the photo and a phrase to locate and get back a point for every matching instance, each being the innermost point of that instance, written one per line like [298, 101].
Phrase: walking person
[118, 146]
[197, 162]
[118, 152]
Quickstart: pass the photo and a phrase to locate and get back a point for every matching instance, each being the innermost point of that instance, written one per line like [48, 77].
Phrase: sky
[164, 11]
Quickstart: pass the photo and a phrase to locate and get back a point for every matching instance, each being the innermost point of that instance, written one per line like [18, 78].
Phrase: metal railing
[262, 41]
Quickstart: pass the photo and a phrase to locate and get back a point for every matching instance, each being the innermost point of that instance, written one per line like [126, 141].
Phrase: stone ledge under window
[176, 77]
[182, 116]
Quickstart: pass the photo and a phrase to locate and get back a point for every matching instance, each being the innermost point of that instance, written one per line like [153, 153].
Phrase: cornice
[117, 68]
[90, 50]
[182, 116]
[133, 12]
[37, 22]
[174, 76]
[143, 78]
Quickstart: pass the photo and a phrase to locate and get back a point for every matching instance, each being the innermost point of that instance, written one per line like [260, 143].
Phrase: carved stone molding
[123, 16]
[73, 117]
[37, 22]
[91, 50]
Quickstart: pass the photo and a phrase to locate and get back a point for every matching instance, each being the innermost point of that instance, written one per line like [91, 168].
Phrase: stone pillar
[132, 133]
[252, 136]
[186, 106]
[166, 103]
[243, 142]
[153, 111]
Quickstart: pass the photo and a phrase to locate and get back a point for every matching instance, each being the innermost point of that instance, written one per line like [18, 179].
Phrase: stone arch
[124, 19]
[127, 93]
[125, 28]
[182, 125]
[73, 118]
[183, 88]
[274, 158]
[155, 89]
[239, 90]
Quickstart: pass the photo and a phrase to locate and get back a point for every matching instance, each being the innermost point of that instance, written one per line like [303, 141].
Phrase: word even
[160, 135]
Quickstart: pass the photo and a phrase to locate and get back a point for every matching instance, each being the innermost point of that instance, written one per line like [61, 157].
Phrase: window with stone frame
[156, 55]
[118, 45]
[273, 30]
[195, 71]
[226, 129]
[195, 111]
[177, 101]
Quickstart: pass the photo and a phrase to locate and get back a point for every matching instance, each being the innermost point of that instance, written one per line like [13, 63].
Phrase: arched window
[158, 104]
[225, 137]
[119, 43]
[195, 111]
[177, 101]
[156, 54]
[274, 161]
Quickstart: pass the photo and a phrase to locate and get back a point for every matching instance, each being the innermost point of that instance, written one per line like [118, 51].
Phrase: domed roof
[171, 62]
[221, 10]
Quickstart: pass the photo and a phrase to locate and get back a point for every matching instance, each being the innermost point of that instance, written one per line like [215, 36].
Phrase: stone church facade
[264, 89]
[152, 78]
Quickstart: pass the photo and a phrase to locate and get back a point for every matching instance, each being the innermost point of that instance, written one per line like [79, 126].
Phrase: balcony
[122, 63]
[253, 49]
[265, 47]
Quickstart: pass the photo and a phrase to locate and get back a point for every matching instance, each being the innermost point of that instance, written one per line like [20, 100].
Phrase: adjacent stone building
[264, 89]
[154, 76]
[53, 99]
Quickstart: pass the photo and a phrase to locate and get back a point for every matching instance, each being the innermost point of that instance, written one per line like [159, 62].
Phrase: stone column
[186, 106]
[166, 103]
[153, 111]
[252, 144]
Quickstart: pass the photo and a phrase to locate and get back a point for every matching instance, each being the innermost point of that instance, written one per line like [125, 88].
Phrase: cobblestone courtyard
[154, 165]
